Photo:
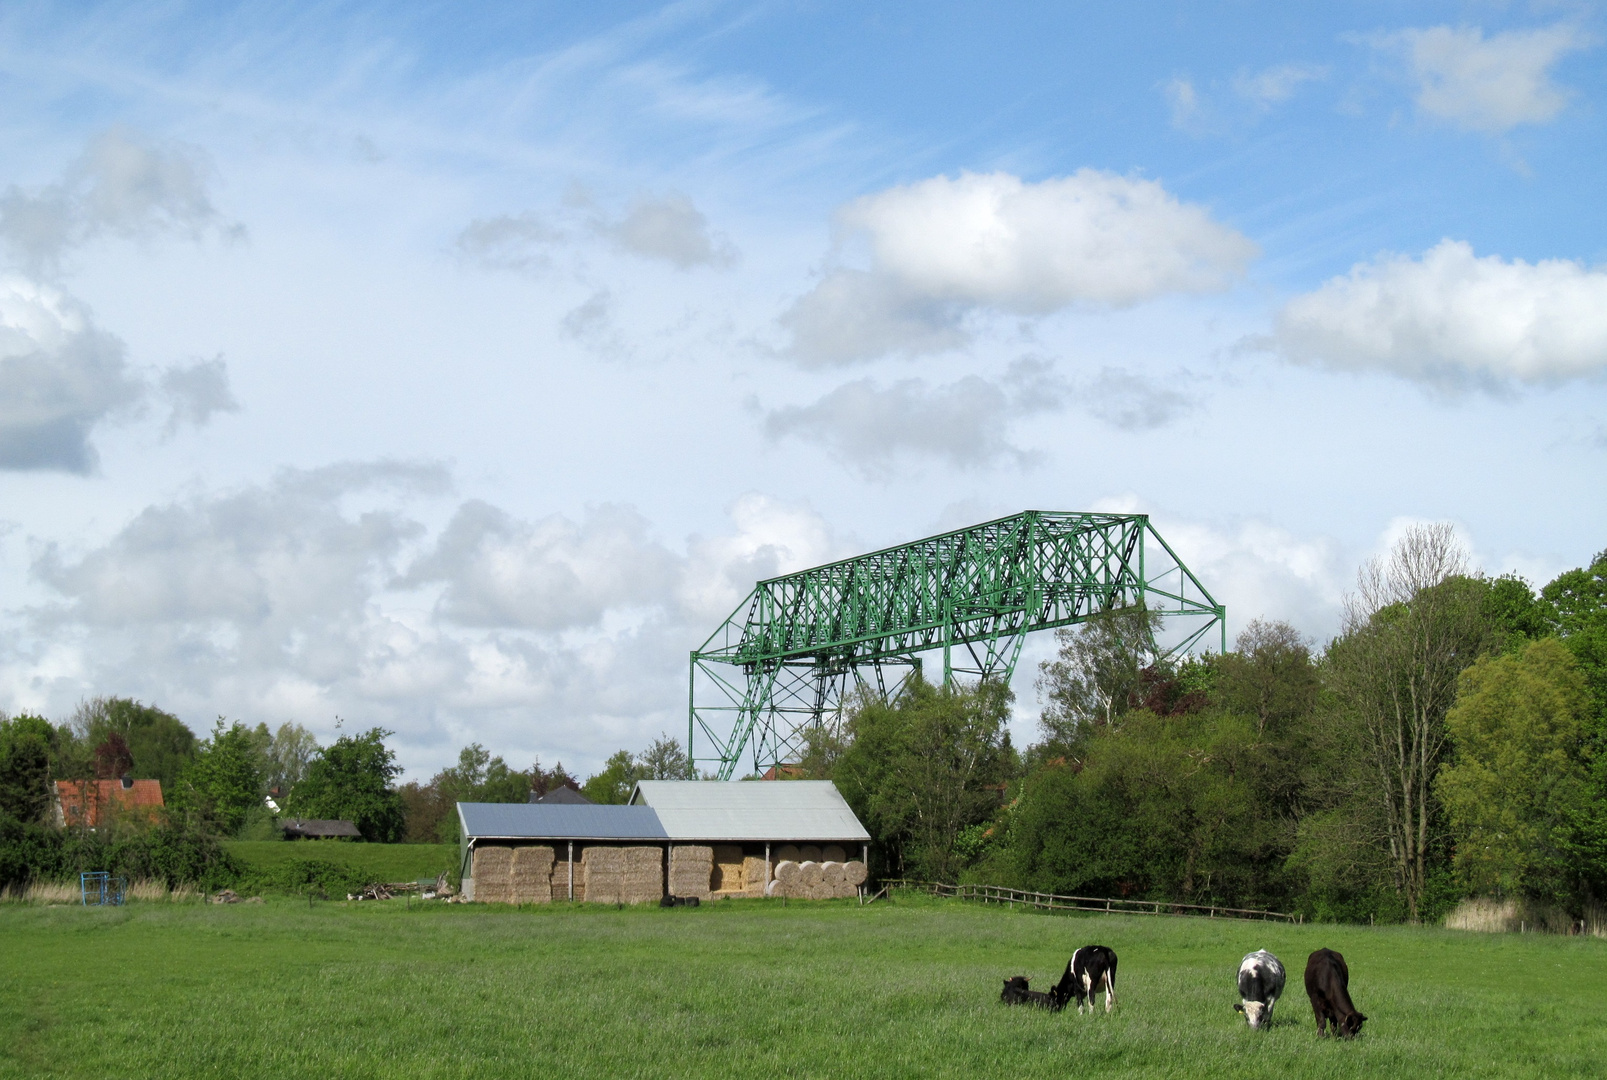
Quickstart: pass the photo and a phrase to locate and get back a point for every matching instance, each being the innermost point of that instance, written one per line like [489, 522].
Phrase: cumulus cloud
[324, 592]
[1184, 100]
[59, 378]
[1132, 402]
[196, 392]
[670, 229]
[673, 230]
[1276, 84]
[122, 185]
[943, 248]
[550, 575]
[1488, 84]
[964, 423]
[1452, 318]
[508, 242]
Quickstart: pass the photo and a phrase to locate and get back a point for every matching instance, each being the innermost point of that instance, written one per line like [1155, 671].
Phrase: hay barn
[676, 837]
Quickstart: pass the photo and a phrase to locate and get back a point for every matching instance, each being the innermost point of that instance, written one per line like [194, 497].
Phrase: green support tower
[800, 646]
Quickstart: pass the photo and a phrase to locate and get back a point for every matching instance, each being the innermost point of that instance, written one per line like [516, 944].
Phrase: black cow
[678, 901]
[1260, 985]
[1328, 986]
[1091, 969]
[1015, 992]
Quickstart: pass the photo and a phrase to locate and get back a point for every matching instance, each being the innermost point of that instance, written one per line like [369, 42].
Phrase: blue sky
[457, 369]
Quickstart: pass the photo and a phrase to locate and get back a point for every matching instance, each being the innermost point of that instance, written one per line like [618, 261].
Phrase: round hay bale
[809, 874]
[854, 872]
[822, 892]
[833, 853]
[786, 853]
[786, 872]
[774, 889]
[831, 873]
[808, 853]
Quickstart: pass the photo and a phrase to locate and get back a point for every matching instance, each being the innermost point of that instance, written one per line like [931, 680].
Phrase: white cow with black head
[1260, 986]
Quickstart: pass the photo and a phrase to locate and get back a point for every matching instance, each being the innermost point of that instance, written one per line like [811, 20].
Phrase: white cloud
[508, 242]
[549, 575]
[122, 185]
[59, 378]
[197, 392]
[1132, 402]
[323, 593]
[1276, 84]
[673, 230]
[964, 423]
[1184, 100]
[1488, 84]
[942, 248]
[1452, 318]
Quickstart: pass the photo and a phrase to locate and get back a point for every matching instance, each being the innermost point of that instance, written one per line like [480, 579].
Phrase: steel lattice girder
[792, 653]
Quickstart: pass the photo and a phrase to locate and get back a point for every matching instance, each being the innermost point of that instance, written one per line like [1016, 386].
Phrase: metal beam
[797, 649]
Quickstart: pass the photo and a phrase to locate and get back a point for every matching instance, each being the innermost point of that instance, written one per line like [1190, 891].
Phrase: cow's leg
[1322, 1017]
[1088, 988]
[1110, 992]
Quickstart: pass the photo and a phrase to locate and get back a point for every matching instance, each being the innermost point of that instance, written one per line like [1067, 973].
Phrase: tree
[1096, 674]
[351, 780]
[112, 757]
[25, 767]
[615, 782]
[159, 744]
[222, 784]
[921, 770]
[664, 760]
[289, 754]
[1414, 622]
[1517, 788]
[1268, 676]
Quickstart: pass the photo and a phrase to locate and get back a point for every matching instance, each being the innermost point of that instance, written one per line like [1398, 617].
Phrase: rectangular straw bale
[691, 868]
[728, 869]
[643, 878]
[493, 868]
[604, 873]
[753, 881]
[531, 877]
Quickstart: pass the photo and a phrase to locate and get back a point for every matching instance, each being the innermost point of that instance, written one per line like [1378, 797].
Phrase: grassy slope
[380, 862]
[752, 988]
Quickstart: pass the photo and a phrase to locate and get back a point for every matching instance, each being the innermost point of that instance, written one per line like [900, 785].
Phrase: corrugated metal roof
[548, 821]
[782, 810]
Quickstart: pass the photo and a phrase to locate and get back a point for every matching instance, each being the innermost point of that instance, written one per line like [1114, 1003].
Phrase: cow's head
[1350, 1026]
[1015, 990]
[1255, 1013]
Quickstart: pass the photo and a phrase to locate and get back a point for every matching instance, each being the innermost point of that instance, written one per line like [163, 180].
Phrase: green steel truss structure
[800, 646]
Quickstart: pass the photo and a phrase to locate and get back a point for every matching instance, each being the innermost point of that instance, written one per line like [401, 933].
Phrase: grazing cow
[1328, 986]
[1015, 992]
[1260, 986]
[1091, 969]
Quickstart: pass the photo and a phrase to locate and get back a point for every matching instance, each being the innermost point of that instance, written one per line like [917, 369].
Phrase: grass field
[751, 988]
[378, 862]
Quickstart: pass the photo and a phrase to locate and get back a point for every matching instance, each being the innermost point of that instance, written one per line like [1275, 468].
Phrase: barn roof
[752, 810]
[558, 821]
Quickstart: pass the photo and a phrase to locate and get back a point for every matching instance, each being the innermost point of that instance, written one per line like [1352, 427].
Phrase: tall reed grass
[1488, 916]
[67, 892]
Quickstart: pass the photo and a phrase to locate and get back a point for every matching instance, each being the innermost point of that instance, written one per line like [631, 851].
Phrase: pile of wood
[691, 870]
[809, 879]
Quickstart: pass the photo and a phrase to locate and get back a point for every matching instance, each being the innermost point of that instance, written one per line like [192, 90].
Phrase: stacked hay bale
[832, 853]
[786, 879]
[728, 869]
[817, 881]
[787, 853]
[560, 877]
[854, 874]
[493, 875]
[603, 869]
[643, 878]
[831, 879]
[691, 870]
[808, 853]
[753, 876]
[530, 877]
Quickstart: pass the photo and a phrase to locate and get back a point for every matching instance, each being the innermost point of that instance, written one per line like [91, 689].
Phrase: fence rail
[998, 894]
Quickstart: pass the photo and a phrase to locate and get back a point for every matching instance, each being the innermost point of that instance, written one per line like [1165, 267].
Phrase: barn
[675, 837]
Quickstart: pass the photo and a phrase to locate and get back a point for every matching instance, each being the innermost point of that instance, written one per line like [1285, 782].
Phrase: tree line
[1450, 742]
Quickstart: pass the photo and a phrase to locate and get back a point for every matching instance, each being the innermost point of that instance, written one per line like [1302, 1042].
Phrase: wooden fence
[998, 894]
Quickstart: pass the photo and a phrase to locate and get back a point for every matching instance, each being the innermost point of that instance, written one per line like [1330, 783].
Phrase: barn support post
[767, 867]
[571, 870]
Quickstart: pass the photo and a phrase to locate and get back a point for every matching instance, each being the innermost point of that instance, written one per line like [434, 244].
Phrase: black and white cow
[1091, 969]
[1015, 992]
[1260, 987]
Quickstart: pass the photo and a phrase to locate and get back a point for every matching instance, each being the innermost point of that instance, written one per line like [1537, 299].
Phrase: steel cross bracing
[799, 647]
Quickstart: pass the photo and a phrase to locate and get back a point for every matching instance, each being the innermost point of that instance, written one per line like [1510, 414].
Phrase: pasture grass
[376, 862]
[754, 988]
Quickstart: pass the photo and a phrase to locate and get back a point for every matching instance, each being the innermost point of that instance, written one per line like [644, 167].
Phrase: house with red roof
[89, 802]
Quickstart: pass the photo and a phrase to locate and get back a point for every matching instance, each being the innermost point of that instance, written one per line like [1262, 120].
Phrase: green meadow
[753, 987]
[375, 862]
